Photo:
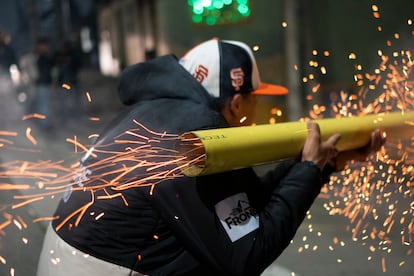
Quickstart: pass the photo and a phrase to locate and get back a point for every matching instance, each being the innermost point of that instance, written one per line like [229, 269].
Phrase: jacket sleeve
[281, 200]
[295, 187]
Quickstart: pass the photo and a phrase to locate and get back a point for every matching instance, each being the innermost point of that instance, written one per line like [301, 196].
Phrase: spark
[155, 164]
[88, 96]
[99, 216]
[30, 137]
[34, 115]
[376, 196]
[77, 144]
[146, 164]
[381, 188]
[44, 219]
[114, 196]
[93, 136]
[383, 265]
[9, 187]
[66, 86]
[5, 224]
[352, 56]
[14, 206]
[8, 133]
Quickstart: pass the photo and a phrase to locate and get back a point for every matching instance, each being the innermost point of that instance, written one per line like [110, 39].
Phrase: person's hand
[377, 140]
[317, 151]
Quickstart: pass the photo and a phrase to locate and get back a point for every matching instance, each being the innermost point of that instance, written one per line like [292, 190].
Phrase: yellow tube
[224, 149]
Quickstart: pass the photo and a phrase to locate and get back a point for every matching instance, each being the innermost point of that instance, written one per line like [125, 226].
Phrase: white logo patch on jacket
[237, 216]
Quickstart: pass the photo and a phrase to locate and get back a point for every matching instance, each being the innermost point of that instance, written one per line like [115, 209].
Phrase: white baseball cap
[226, 67]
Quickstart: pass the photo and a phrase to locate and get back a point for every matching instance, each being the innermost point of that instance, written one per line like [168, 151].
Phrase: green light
[211, 20]
[198, 8]
[194, 2]
[213, 12]
[218, 4]
[211, 8]
[244, 10]
[206, 3]
[197, 18]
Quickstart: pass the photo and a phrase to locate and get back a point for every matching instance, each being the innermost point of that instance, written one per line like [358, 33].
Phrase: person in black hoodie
[121, 216]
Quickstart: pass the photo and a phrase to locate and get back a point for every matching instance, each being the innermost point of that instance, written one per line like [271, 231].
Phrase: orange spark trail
[66, 86]
[8, 133]
[30, 137]
[34, 115]
[88, 96]
[44, 219]
[27, 202]
[143, 162]
[10, 187]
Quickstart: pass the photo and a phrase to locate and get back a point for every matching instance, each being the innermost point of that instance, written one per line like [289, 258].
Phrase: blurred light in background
[15, 74]
[217, 12]
[108, 64]
[86, 40]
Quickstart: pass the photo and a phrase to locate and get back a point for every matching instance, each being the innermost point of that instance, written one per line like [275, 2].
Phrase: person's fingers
[314, 139]
[318, 151]
[314, 130]
[334, 139]
[311, 148]
[329, 146]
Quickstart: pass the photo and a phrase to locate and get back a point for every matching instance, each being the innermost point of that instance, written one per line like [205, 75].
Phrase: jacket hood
[162, 77]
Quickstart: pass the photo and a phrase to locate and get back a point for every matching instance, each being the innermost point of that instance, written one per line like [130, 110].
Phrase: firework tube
[224, 149]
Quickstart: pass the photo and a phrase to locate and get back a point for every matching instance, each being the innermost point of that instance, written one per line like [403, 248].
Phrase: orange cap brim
[270, 90]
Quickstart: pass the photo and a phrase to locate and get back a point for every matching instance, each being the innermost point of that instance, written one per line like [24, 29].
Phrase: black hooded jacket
[172, 227]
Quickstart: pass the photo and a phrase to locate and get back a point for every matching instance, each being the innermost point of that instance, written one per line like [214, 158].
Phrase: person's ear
[236, 105]
[233, 110]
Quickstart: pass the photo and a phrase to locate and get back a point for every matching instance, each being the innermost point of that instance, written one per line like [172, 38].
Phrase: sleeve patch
[237, 216]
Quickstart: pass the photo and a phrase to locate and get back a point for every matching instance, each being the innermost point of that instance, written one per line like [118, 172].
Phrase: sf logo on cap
[237, 78]
[200, 73]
